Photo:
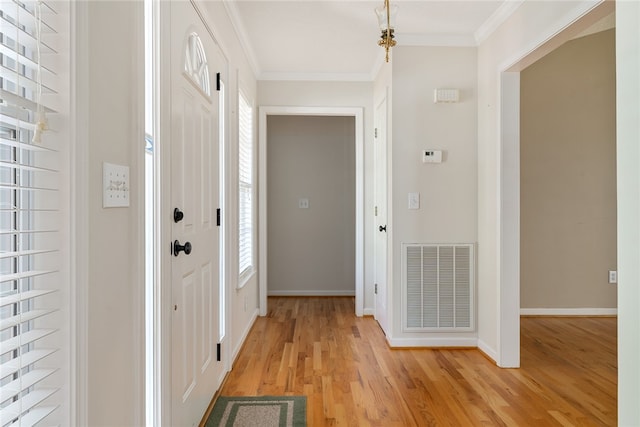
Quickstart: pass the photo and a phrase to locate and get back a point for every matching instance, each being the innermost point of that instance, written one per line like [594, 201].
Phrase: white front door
[380, 200]
[196, 371]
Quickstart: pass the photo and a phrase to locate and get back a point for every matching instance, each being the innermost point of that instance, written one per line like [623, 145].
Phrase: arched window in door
[195, 64]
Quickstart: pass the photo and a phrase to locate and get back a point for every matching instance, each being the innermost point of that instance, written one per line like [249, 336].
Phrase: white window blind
[245, 184]
[33, 366]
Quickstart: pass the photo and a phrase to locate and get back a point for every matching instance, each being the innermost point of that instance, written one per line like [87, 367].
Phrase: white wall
[527, 29]
[114, 131]
[447, 190]
[336, 94]
[628, 132]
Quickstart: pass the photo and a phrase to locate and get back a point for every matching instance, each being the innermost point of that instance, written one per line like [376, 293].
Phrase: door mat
[259, 411]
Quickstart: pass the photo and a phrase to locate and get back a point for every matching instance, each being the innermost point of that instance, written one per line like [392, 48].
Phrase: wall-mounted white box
[115, 186]
[431, 156]
[446, 96]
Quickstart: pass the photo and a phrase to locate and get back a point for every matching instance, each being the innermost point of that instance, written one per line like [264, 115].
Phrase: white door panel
[196, 372]
[380, 200]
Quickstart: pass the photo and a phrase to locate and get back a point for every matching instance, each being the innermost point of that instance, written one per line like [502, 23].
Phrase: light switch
[303, 203]
[115, 186]
[414, 200]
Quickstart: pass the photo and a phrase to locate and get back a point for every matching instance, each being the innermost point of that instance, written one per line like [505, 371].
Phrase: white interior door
[380, 200]
[196, 372]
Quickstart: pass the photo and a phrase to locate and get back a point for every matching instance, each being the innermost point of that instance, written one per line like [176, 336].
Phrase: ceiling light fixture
[387, 22]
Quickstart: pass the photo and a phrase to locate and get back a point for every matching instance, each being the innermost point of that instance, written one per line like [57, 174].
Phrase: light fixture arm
[386, 17]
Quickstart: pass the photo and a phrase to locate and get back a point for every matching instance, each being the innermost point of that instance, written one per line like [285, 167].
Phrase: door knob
[177, 215]
[177, 247]
[382, 228]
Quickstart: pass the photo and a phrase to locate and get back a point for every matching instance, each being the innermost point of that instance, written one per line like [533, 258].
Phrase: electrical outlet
[613, 276]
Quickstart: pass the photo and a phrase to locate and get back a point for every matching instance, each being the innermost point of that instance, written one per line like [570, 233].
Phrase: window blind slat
[12, 232]
[24, 339]
[27, 82]
[24, 275]
[23, 296]
[19, 101]
[25, 253]
[27, 403]
[27, 359]
[10, 322]
[16, 125]
[25, 167]
[25, 146]
[36, 415]
[23, 382]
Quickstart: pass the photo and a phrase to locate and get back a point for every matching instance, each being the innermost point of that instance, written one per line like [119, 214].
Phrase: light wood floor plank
[317, 347]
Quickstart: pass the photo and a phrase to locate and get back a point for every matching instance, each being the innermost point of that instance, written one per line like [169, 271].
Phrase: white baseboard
[488, 351]
[568, 311]
[369, 312]
[432, 342]
[305, 293]
[245, 334]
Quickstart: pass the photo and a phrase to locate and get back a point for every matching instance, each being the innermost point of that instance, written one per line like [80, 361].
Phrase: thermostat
[432, 156]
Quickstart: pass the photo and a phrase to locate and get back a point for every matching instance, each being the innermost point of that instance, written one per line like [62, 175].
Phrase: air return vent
[438, 288]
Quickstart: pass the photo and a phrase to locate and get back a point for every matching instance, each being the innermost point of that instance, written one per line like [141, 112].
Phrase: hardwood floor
[317, 347]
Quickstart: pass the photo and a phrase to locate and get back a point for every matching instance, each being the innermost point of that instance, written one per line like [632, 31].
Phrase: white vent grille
[438, 287]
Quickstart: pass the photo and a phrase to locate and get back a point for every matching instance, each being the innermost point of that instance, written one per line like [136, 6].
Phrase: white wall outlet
[613, 276]
[414, 200]
[303, 203]
[115, 186]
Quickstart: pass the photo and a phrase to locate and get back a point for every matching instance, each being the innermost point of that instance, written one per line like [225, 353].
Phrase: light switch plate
[303, 203]
[414, 200]
[115, 186]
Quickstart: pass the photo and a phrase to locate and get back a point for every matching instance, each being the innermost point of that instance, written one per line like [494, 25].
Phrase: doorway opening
[510, 183]
[358, 191]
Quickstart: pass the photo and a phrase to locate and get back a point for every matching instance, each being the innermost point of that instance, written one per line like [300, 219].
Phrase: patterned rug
[262, 411]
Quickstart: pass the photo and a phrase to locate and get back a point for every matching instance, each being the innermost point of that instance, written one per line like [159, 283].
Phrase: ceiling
[337, 39]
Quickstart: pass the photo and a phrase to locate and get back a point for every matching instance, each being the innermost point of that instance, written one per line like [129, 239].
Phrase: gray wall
[568, 176]
[311, 251]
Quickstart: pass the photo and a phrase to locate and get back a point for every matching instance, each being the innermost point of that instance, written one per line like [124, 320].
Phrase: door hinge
[219, 352]
[218, 214]
[218, 82]
[375, 132]
[376, 211]
[375, 288]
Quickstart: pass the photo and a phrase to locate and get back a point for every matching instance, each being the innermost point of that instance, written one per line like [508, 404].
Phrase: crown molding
[238, 26]
[496, 19]
[450, 40]
[316, 77]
